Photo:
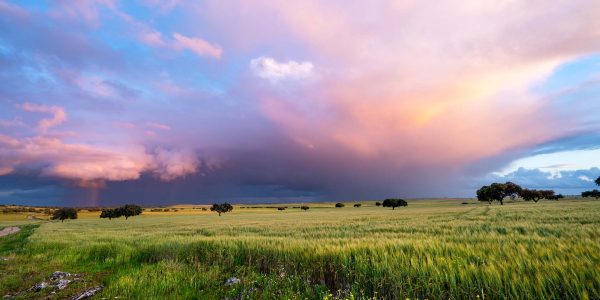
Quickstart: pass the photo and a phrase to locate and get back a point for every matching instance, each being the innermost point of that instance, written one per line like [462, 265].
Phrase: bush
[357, 205]
[64, 213]
[304, 207]
[377, 203]
[339, 205]
[281, 208]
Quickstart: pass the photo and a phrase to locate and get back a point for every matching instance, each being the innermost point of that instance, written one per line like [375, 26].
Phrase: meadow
[432, 249]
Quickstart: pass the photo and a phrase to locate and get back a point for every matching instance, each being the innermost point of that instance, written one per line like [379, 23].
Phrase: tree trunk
[501, 202]
[393, 208]
[219, 214]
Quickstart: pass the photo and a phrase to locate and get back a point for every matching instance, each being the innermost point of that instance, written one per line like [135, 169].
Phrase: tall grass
[431, 249]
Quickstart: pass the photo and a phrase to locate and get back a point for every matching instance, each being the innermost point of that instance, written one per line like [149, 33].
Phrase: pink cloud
[152, 37]
[414, 83]
[58, 114]
[196, 45]
[169, 165]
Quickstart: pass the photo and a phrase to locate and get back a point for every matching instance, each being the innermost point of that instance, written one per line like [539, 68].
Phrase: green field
[435, 249]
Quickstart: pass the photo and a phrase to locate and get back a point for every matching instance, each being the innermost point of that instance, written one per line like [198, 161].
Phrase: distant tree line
[128, 210]
[593, 193]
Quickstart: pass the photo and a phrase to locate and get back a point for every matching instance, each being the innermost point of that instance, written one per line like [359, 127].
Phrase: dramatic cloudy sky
[147, 101]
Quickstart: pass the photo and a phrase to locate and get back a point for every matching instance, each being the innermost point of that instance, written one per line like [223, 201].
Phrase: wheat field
[432, 249]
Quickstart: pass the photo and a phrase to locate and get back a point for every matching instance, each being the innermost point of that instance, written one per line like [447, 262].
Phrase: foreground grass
[431, 249]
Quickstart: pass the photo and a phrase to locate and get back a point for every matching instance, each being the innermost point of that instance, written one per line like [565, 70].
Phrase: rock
[88, 293]
[232, 281]
[63, 283]
[40, 286]
[59, 275]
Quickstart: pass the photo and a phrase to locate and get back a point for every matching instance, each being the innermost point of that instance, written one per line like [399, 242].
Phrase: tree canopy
[393, 203]
[64, 213]
[591, 194]
[498, 191]
[221, 208]
[537, 195]
[127, 210]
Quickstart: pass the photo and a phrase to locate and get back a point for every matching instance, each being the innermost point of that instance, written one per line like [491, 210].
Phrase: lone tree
[304, 207]
[591, 194]
[393, 203]
[221, 208]
[357, 205]
[498, 191]
[129, 210]
[339, 205]
[64, 213]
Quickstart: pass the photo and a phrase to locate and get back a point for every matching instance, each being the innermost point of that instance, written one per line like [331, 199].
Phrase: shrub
[377, 203]
[339, 205]
[281, 208]
[357, 205]
[304, 207]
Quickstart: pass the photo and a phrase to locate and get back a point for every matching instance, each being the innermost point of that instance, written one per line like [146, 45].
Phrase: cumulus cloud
[572, 181]
[196, 45]
[270, 69]
[58, 114]
[87, 164]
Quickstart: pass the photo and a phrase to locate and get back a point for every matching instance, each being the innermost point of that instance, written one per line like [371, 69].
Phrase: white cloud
[274, 71]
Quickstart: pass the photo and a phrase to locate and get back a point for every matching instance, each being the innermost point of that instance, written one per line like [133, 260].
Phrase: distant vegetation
[593, 193]
[304, 207]
[128, 210]
[64, 213]
[221, 208]
[357, 205]
[339, 205]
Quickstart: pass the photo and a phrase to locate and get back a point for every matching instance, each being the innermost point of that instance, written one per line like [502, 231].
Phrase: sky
[160, 102]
